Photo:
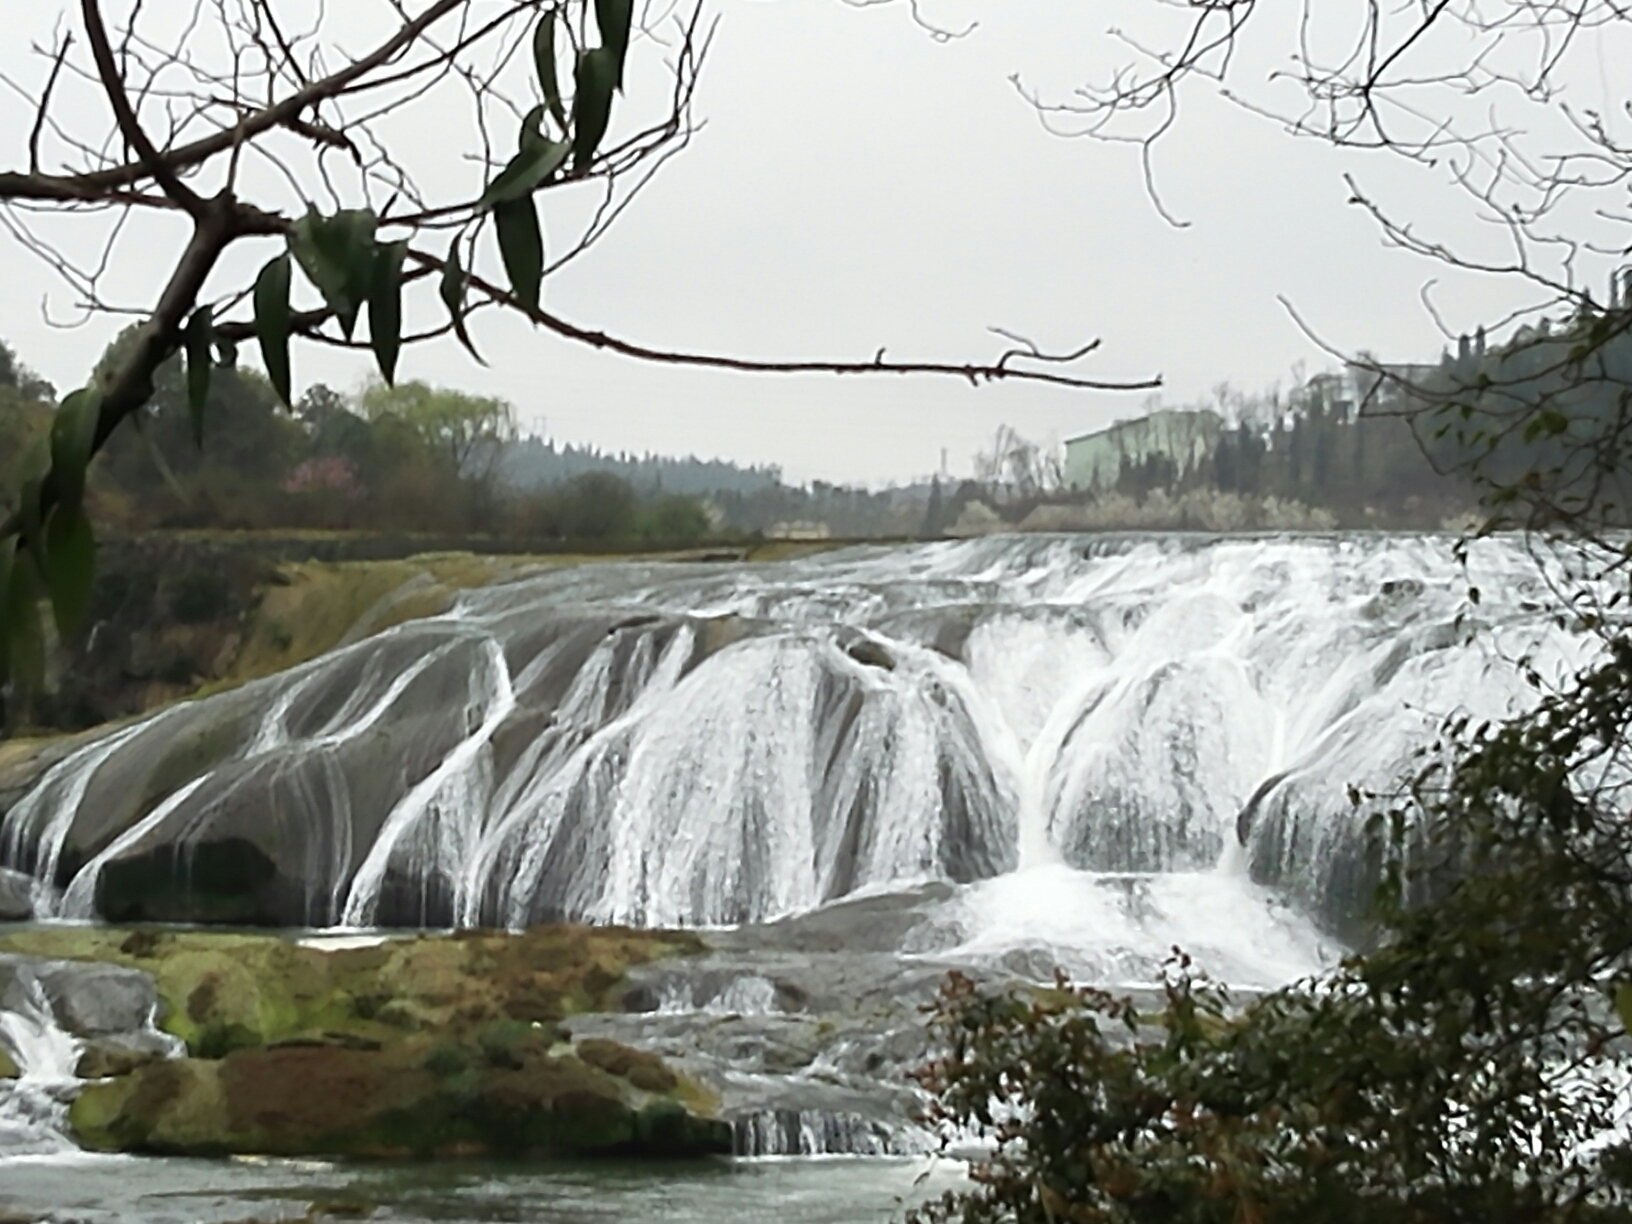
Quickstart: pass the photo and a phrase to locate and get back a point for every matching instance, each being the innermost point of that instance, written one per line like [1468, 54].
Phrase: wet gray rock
[16, 896]
[94, 1000]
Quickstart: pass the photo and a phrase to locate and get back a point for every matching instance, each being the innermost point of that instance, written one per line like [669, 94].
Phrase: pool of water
[101, 1190]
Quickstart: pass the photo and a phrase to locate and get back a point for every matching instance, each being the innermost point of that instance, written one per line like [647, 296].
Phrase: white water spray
[666, 744]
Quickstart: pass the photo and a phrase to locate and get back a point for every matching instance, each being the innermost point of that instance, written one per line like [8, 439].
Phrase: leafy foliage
[341, 256]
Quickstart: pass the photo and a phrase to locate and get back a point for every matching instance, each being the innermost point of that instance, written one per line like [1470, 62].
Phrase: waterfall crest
[711, 745]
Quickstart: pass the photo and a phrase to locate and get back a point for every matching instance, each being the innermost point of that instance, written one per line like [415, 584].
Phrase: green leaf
[73, 438]
[1623, 1004]
[532, 130]
[526, 172]
[615, 18]
[521, 243]
[31, 477]
[337, 255]
[544, 61]
[70, 564]
[272, 323]
[385, 309]
[197, 338]
[25, 642]
[361, 255]
[453, 297]
[597, 77]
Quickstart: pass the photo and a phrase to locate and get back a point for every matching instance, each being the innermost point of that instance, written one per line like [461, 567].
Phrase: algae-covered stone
[221, 992]
[175, 1108]
[8, 1066]
[415, 1047]
[120, 1055]
[332, 1101]
[644, 1071]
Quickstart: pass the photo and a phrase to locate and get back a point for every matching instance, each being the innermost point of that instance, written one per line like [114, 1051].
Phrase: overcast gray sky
[859, 185]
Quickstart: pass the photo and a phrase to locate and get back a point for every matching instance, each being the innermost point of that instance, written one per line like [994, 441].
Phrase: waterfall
[33, 1108]
[802, 1132]
[51, 1013]
[666, 744]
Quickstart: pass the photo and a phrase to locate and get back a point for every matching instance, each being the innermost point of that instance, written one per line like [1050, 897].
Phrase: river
[854, 771]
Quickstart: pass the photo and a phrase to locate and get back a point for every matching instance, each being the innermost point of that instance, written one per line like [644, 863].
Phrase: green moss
[98, 1119]
[410, 1048]
[446, 1060]
[509, 1043]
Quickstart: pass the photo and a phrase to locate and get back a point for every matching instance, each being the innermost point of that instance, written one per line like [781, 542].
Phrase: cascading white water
[706, 745]
[33, 1106]
[51, 1013]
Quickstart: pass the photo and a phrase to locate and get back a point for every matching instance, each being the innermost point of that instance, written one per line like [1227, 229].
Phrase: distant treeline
[409, 458]
[741, 500]
[1374, 445]
[539, 463]
[1348, 445]
[1411, 446]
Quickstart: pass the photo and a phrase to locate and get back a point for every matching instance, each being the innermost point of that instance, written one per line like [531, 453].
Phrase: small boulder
[869, 653]
[98, 1000]
[106, 1057]
[9, 1070]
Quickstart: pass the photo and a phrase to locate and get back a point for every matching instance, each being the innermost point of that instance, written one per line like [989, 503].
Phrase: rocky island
[425, 1046]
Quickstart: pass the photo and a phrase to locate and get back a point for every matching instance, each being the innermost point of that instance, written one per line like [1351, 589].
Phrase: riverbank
[179, 614]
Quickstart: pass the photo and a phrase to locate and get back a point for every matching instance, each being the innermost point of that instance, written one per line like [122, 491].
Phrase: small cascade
[34, 1107]
[59, 1022]
[804, 1132]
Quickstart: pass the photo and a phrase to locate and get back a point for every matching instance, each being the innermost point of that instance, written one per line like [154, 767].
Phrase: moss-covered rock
[645, 1071]
[8, 1066]
[108, 1057]
[388, 1103]
[427, 1046]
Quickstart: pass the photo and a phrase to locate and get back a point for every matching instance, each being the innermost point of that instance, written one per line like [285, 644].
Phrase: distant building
[799, 530]
[1186, 436]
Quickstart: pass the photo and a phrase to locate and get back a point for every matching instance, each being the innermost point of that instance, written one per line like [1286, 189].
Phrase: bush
[675, 520]
[198, 595]
[1469, 1069]
[597, 506]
